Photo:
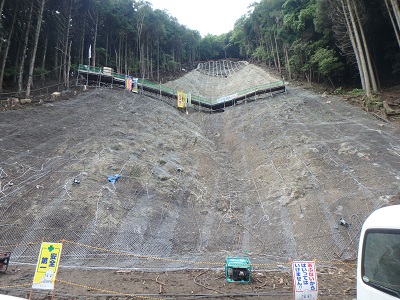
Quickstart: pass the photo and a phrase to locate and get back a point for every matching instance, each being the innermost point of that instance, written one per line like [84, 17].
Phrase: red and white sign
[305, 283]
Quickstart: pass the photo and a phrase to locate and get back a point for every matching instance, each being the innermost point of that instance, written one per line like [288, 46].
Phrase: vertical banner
[128, 83]
[181, 99]
[47, 266]
[88, 66]
[135, 85]
[305, 280]
[184, 99]
[189, 100]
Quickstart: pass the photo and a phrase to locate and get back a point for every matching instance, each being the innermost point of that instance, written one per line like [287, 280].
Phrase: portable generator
[237, 269]
[4, 260]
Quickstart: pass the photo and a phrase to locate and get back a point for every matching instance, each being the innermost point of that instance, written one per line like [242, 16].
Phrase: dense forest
[342, 42]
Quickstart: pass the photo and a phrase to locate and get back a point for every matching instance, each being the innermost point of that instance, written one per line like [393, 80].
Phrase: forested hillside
[343, 42]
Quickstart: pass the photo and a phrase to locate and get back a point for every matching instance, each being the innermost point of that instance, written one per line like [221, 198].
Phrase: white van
[378, 266]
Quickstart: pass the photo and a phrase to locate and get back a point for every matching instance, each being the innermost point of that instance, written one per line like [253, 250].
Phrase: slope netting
[215, 80]
[204, 85]
[220, 68]
[268, 179]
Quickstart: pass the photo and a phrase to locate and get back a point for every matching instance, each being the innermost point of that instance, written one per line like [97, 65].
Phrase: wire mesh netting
[268, 179]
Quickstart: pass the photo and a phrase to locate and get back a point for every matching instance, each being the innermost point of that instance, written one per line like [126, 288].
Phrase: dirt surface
[268, 179]
[334, 283]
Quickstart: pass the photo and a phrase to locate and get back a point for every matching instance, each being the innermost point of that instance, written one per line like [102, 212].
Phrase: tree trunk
[107, 50]
[367, 53]
[354, 45]
[396, 11]
[148, 59]
[119, 55]
[95, 40]
[126, 55]
[396, 27]
[68, 64]
[142, 61]
[277, 55]
[121, 52]
[60, 64]
[158, 59]
[289, 70]
[1, 34]
[360, 48]
[273, 52]
[3, 66]
[34, 50]
[116, 58]
[56, 63]
[66, 47]
[16, 65]
[46, 42]
[82, 46]
[25, 47]
[1, 6]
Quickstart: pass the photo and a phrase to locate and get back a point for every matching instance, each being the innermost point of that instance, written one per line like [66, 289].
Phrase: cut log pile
[392, 107]
[391, 103]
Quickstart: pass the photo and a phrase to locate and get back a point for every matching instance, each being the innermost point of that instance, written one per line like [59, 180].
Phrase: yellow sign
[181, 99]
[47, 266]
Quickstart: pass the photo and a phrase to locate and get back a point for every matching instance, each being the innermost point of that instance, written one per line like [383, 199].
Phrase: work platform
[101, 74]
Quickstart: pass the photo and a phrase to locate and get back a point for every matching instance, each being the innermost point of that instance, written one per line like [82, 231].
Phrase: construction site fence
[266, 88]
[172, 92]
[35, 92]
[144, 263]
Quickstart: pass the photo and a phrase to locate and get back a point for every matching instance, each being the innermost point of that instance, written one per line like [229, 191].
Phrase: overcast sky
[206, 16]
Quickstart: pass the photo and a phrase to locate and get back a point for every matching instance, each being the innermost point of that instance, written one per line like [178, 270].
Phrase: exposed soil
[334, 283]
[268, 179]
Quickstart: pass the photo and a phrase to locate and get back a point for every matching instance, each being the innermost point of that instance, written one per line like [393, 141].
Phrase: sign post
[181, 99]
[47, 266]
[128, 83]
[135, 85]
[305, 284]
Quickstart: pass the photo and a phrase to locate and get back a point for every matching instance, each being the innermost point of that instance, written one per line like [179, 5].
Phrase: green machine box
[237, 269]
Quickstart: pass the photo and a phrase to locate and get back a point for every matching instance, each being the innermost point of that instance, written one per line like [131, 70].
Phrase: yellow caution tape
[177, 260]
[15, 286]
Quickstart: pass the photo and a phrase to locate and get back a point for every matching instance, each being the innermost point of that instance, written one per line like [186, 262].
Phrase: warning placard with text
[47, 266]
[305, 280]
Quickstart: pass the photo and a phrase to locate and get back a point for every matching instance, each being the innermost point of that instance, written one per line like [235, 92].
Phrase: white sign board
[227, 98]
[305, 280]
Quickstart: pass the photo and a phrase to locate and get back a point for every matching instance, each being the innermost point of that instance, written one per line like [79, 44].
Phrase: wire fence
[144, 262]
[147, 263]
[38, 197]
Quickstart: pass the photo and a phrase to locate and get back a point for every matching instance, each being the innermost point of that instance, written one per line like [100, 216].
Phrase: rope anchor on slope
[344, 223]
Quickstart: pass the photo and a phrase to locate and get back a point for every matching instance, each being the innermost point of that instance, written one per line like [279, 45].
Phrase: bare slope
[213, 87]
[269, 179]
